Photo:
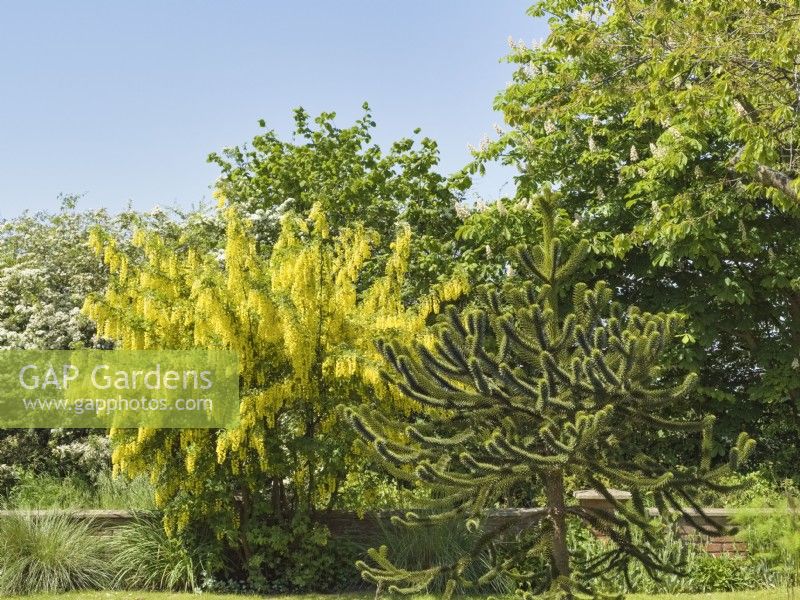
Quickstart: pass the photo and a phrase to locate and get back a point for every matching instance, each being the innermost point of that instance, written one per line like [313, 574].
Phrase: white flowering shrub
[46, 271]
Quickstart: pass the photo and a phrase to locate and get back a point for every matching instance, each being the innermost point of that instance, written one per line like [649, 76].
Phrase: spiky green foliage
[144, 557]
[537, 386]
[50, 553]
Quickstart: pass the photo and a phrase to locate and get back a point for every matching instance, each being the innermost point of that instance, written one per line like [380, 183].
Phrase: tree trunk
[245, 508]
[554, 491]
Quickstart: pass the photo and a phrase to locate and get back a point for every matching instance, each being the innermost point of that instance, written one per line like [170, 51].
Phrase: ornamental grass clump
[50, 553]
[144, 557]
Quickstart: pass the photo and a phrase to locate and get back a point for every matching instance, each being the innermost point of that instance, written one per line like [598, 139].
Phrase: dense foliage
[670, 127]
[353, 180]
[770, 525]
[537, 386]
[701, 572]
[45, 274]
[303, 333]
[669, 130]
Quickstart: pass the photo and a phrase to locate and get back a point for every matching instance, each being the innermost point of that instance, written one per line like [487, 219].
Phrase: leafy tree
[303, 335]
[353, 180]
[669, 127]
[490, 232]
[535, 387]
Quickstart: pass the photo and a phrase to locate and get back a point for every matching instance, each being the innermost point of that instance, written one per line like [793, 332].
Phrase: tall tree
[303, 335]
[671, 129]
[353, 180]
[538, 386]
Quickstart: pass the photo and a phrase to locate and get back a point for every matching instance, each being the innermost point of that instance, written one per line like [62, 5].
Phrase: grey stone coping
[595, 495]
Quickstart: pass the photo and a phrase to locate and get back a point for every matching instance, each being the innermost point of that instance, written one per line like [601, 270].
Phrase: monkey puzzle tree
[535, 388]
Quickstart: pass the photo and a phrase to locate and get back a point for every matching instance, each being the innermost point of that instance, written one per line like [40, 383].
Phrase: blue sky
[124, 101]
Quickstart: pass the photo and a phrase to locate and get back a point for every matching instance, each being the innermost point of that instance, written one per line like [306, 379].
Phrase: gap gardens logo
[119, 388]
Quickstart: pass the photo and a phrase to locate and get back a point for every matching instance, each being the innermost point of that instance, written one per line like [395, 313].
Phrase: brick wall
[351, 526]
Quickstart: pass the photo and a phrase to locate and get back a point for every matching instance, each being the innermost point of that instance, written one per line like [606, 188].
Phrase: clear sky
[123, 101]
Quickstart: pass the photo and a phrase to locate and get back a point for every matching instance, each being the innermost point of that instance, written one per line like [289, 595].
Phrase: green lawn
[763, 595]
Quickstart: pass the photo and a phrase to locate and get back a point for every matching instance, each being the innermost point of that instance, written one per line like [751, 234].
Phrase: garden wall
[350, 526]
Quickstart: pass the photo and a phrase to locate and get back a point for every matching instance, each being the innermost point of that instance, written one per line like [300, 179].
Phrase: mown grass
[753, 595]
[776, 594]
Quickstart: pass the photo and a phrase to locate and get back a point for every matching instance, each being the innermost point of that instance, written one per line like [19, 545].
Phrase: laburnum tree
[535, 389]
[302, 331]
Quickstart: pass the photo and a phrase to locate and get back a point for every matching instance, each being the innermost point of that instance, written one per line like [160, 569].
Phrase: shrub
[771, 528]
[47, 491]
[38, 491]
[701, 571]
[415, 548]
[743, 490]
[50, 553]
[144, 557]
[725, 573]
[301, 557]
[294, 556]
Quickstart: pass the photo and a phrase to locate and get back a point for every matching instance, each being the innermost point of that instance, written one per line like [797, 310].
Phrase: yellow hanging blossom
[304, 330]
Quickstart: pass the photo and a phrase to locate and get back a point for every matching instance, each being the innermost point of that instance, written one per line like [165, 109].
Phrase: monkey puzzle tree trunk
[554, 493]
